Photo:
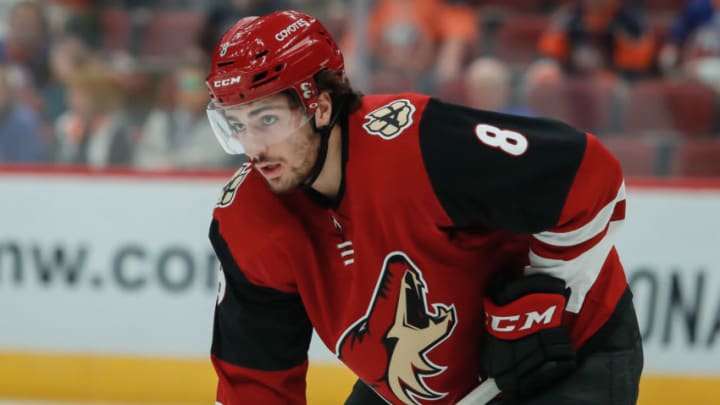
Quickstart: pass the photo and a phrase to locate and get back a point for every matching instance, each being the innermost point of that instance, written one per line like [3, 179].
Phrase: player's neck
[330, 177]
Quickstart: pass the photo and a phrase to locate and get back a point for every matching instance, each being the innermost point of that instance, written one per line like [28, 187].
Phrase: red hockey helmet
[262, 56]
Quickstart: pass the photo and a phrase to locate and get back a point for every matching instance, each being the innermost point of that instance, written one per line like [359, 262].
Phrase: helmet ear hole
[260, 76]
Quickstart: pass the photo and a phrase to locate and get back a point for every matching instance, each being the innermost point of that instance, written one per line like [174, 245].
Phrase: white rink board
[145, 275]
[670, 247]
[119, 302]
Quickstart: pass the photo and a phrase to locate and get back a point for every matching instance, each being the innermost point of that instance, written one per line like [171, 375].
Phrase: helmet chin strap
[324, 133]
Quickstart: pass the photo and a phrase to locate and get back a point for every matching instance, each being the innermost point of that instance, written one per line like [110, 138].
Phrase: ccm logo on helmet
[226, 82]
[282, 35]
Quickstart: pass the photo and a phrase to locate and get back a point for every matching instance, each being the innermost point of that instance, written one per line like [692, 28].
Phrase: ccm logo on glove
[526, 315]
[527, 348]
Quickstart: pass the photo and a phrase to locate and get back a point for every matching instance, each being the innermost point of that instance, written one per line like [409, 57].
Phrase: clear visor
[251, 127]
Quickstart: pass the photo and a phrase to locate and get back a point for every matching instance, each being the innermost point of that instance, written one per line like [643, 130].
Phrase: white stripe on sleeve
[579, 273]
[587, 231]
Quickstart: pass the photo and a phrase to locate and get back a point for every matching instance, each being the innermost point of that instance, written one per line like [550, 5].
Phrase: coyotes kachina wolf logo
[393, 338]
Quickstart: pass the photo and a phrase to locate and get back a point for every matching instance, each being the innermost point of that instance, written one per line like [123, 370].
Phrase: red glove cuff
[524, 316]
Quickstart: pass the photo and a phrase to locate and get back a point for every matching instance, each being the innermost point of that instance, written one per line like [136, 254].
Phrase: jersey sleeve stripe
[579, 273]
[587, 231]
[566, 252]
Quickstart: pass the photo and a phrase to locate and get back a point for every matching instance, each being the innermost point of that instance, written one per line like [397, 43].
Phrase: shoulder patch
[390, 120]
[228, 192]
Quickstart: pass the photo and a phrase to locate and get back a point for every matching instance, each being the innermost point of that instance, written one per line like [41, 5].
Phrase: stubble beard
[305, 150]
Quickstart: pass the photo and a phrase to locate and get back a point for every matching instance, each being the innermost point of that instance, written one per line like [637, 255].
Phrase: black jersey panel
[500, 170]
[254, 326]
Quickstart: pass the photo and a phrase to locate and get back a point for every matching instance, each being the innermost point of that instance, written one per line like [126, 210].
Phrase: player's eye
[269, 119]
[237, 127]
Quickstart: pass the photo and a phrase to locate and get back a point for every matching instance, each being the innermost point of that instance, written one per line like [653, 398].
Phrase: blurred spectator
[695, 14]
[541, 73]
[539, 76]
[181, 137]
[225, 13]
[94, 130]
[20, 135]
[418, 41]
[701, 59]
[706, 70]
[591, 37]
[26, 42]
[79, 18]
[586, 102]
[459, 35]
[136, 80]
[334, 14]
[488, 86]
[68, 54]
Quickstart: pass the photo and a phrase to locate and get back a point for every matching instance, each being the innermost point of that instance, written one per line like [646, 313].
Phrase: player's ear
[324, 110]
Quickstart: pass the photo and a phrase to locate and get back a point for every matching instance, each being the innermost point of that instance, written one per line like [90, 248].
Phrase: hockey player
[429, 245]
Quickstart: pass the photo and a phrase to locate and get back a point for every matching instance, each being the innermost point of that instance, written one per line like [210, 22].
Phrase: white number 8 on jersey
[510, 142]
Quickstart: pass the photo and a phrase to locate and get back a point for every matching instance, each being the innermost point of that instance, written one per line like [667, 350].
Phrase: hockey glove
[526, 347]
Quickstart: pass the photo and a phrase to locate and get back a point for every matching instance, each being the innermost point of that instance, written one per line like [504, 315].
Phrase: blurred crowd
[121, 82]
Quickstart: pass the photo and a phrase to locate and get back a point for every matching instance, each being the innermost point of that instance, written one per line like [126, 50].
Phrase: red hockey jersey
[435, 200]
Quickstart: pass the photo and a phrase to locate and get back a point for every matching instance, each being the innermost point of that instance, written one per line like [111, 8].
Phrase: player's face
[289, 154]
[287, 164]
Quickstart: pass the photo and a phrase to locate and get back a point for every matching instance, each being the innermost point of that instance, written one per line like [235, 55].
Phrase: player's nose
[256, 150]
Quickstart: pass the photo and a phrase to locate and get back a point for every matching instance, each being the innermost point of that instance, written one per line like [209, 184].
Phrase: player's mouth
[270, 170]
